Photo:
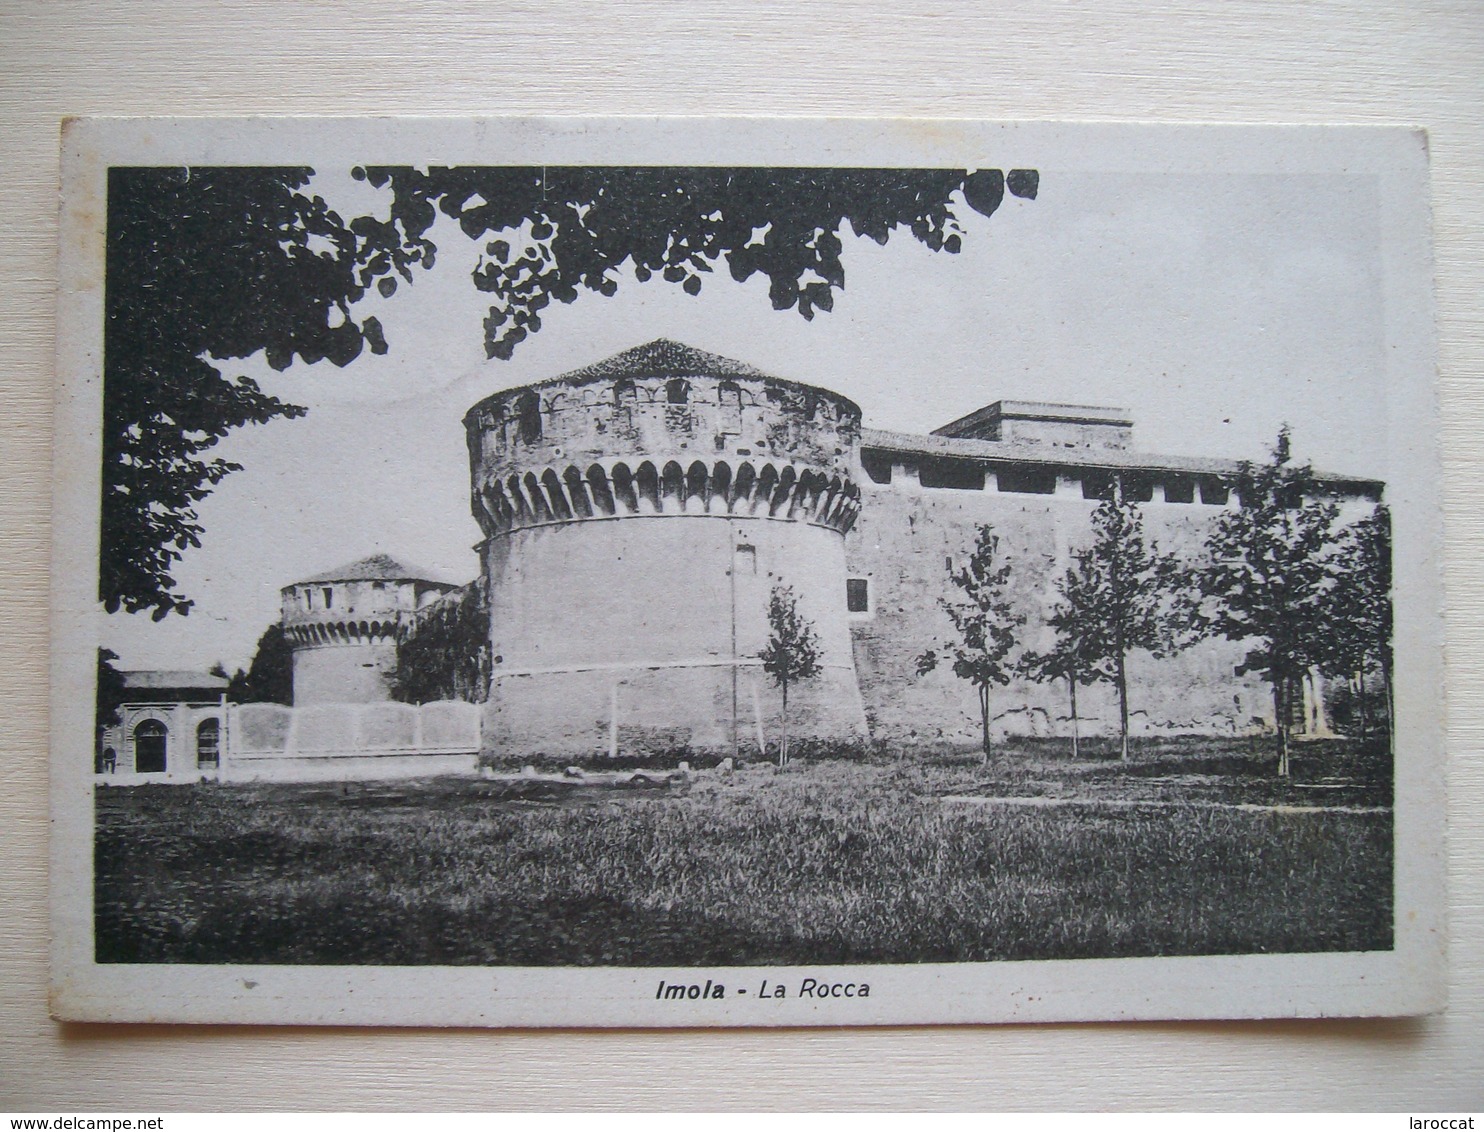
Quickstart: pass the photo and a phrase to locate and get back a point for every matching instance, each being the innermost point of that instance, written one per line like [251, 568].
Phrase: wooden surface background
[1243, 60]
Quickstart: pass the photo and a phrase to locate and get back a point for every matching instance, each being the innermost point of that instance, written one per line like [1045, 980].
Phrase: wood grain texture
[1243, 60]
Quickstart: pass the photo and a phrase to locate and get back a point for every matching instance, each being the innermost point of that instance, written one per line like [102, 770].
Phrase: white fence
[344, 741]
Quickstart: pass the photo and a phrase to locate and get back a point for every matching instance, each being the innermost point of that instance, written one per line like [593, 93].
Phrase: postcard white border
[1406, 980]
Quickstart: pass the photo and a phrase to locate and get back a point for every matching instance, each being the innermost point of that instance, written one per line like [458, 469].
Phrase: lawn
[1191, 849]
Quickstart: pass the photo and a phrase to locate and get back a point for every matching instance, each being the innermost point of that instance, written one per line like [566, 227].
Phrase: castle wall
[344, 671]
[631, 632]
[639, 512]
[903, 542]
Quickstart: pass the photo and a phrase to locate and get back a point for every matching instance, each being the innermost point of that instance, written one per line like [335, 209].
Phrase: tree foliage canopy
[1124, 584]
[203, 265]
[1271, 578]
[1125, 588]
[982, 618]
[1360, 637]
[551, 232]
[446, 656]
[269, 678]
[206, 265]
[1075, 653]
[1357, 640]
[984, 624]
[109, 691]
[792, 651]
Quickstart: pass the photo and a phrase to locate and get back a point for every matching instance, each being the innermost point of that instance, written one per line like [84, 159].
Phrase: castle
[638, 513]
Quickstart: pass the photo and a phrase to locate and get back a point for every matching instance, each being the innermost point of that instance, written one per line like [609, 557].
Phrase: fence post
[613, 722]
[757, 718]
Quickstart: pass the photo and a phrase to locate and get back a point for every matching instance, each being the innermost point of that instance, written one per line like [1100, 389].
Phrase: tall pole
[732, 579]
[613, 722]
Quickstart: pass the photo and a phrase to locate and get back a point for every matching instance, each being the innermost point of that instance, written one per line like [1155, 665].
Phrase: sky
[1215, 307]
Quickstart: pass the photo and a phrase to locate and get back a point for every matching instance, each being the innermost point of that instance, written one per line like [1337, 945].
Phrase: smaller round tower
[344, 626]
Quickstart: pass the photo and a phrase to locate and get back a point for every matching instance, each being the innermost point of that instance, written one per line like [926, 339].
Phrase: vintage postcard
[692, 572]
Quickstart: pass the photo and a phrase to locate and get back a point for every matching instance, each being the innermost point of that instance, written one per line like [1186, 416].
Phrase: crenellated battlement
[661, 402]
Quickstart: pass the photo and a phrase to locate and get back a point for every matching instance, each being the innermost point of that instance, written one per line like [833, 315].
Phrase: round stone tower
[639, 513]
[344, 626]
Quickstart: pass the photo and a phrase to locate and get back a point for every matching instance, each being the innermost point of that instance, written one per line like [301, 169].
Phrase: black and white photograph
[703, 573]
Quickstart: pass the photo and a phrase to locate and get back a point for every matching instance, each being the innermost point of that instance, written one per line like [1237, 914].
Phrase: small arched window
[677, 391]
[208, 742]
[624, 393]
[149, 747]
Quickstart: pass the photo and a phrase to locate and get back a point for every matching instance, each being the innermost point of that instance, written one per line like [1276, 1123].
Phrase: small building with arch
[170, 727]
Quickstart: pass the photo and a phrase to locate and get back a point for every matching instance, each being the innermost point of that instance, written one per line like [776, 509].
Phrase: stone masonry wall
[903, 542]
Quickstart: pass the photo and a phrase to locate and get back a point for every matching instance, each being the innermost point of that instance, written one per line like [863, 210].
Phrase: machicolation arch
[612, 489]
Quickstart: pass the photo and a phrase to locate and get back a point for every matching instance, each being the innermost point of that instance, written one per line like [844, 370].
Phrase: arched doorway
[208, 742]
[149, 747]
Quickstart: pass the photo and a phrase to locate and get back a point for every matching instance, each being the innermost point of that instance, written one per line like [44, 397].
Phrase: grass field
[1193, 848]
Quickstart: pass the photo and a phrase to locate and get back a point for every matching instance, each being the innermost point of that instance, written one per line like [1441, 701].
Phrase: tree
[1125, 587]
[792, 651]
[985, 626]
[446, 656]
[270, 677]
[206, 265]
[109, 691]
[1074, 655]
[1357, 639]
[1271, 578]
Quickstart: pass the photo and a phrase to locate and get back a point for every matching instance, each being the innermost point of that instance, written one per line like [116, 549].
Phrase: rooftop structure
[1042, 423]
[172, 684]
[377, 567]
